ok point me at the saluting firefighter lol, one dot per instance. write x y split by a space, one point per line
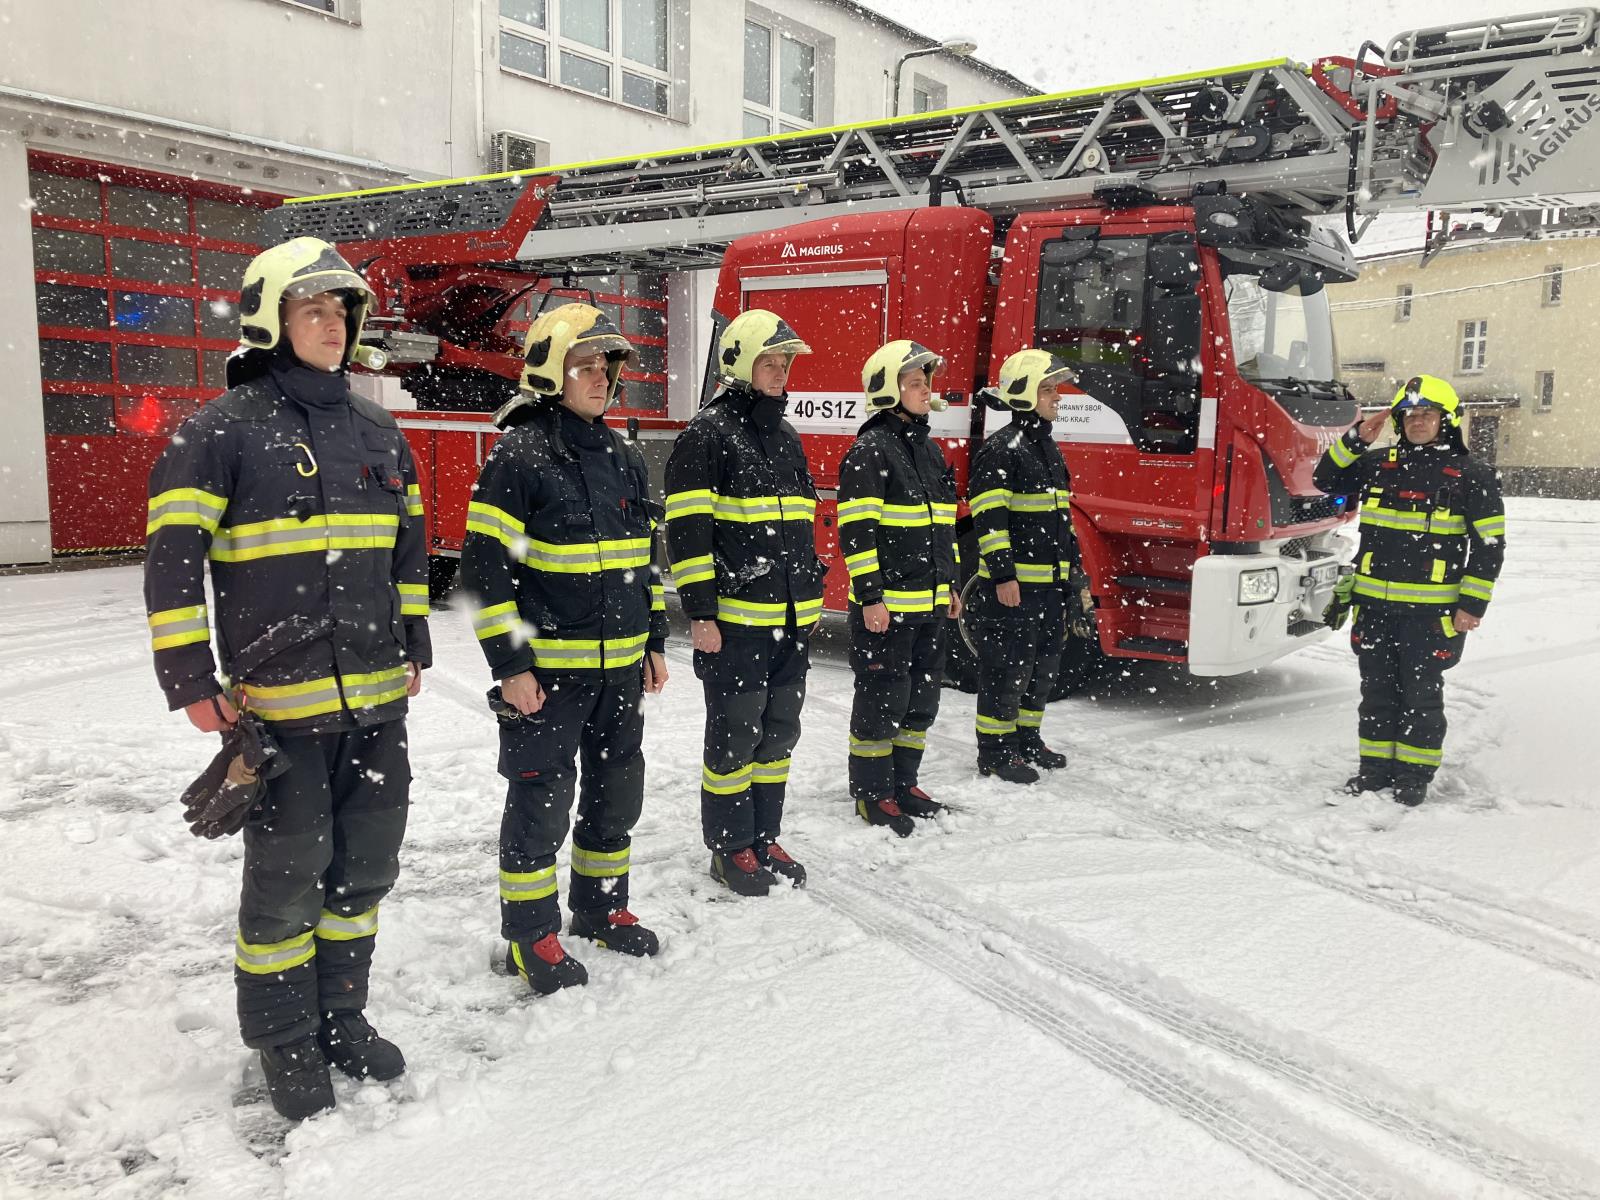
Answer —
1022 513
559 560
897 531
740 508
1433 539
303 498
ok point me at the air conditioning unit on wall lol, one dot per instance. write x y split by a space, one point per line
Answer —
512 151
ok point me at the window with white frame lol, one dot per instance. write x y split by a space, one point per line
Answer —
1544 391
1402 304
1552 286
1474 347
616 49
344 10
928 95
782 72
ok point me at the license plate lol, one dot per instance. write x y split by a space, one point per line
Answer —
1324 574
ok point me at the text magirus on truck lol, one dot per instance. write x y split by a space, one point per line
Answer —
1159 237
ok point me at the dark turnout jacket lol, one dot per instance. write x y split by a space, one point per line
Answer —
304 500
1433 524
560 550
1022 506
897 518
741 509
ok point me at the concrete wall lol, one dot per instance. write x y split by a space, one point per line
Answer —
1501 284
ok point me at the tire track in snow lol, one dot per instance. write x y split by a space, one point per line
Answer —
1334 1080
1272 1138
1487 921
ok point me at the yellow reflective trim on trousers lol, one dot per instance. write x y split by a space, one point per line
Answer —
185 506
1030 718
693 503
776 771
334 927
993 498
516 886
600 864
1407 593
179 627
1449 626
496 523
1341 454
868 748
911 739
315 535
994 725
1374 749
269 958
1491 527
694 570
863 508
578 654
730 784
495 620
1422 756
1476 588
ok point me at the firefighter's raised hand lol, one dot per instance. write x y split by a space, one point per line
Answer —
413 678
1371 429
1465 622
706 636
655 672
1009 593
523 693
875 617
212 715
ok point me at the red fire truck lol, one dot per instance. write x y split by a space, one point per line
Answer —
1171 239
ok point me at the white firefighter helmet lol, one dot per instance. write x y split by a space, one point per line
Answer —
1024 373
297 269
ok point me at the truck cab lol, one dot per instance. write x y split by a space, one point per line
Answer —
1206 391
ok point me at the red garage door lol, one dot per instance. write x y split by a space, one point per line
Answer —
136 279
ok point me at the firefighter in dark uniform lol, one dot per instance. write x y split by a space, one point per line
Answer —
560 564
304 499
1433 535
897 531
1022 512
740 513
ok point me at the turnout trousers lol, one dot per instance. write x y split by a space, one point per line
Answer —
755 688
590 725
1019 653
1403 655
898 673
319 854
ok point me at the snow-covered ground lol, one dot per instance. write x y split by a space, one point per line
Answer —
1170 970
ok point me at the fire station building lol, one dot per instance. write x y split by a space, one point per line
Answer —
138 150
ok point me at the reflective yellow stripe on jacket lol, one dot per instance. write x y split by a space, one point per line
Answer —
1407 593
744 509
314 535
316 697
413 599
185 506
179 627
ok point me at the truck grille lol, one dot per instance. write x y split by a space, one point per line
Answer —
1305 509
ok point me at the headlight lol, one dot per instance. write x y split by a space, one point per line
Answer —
1258 587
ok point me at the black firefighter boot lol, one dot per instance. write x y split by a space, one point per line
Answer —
1031 749
1410 790
1367 780
776 859
1003 762
885 812
350 1043
545 965
618 930
297 1079
741 872
917 802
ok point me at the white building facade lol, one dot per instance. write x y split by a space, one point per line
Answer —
139 143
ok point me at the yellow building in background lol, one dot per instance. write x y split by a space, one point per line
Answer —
1513 325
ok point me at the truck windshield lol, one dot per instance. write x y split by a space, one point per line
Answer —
1285 335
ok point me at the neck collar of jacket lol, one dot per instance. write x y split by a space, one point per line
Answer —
1032 423
581 432
307 386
